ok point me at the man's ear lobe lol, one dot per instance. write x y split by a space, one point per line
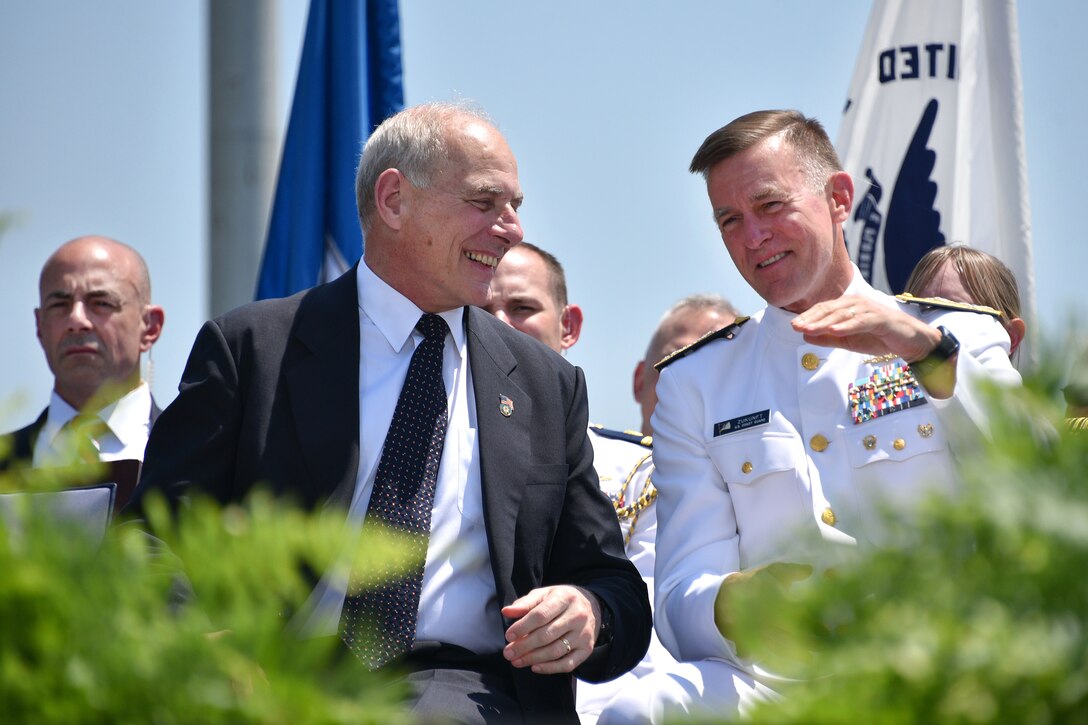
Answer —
572 325
842 196
154 319
389 197
638 379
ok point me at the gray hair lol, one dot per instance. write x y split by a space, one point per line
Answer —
413 141
694 305
702 301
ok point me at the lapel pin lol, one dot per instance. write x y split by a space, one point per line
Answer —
506 406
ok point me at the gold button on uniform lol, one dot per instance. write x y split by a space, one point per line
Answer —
818 443
747 467
899 444
809 361
869 442
828 516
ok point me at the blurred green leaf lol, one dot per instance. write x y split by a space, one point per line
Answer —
100 634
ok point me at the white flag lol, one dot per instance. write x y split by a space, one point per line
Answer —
933 135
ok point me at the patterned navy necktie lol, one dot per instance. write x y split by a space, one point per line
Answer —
379 624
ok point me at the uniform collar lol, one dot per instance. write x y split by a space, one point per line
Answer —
779 319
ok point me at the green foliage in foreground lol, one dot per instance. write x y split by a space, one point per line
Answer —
979 611
99 633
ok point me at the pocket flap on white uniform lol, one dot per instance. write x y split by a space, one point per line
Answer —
896 437
744 458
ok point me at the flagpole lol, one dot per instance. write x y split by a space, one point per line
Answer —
243 144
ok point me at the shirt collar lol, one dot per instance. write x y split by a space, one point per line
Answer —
123 417
395 315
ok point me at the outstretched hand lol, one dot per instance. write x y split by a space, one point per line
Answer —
864 325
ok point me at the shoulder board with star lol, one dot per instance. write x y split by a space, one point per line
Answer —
631 436
940 303
726 333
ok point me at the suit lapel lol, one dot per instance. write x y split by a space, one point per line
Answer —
323 387
504 440
24 440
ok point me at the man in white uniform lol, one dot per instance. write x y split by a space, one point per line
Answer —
778 438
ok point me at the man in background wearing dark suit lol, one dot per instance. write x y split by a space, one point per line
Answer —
298 394
94 322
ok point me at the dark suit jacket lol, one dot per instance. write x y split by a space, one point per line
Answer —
22 442
124 473
270 395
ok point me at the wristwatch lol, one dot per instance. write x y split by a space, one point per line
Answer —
946 349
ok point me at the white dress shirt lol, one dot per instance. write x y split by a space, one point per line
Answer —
459 604
127 420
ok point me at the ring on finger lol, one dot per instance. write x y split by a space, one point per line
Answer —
565 644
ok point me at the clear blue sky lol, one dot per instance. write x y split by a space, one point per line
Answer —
103 129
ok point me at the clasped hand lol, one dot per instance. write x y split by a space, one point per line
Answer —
555 630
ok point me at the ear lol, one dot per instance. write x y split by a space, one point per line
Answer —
154 318
572 325
841 188
389 198
639 380
38 322
1016 329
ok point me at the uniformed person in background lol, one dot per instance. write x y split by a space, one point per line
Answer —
779 438
958 273
529 292
683 323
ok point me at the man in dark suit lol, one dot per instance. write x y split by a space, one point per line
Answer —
94 323
298 394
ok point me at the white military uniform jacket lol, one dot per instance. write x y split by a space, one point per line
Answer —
770 449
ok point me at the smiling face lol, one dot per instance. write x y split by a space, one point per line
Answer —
448 236
783 233
94 320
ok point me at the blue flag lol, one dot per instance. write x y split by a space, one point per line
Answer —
349 81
